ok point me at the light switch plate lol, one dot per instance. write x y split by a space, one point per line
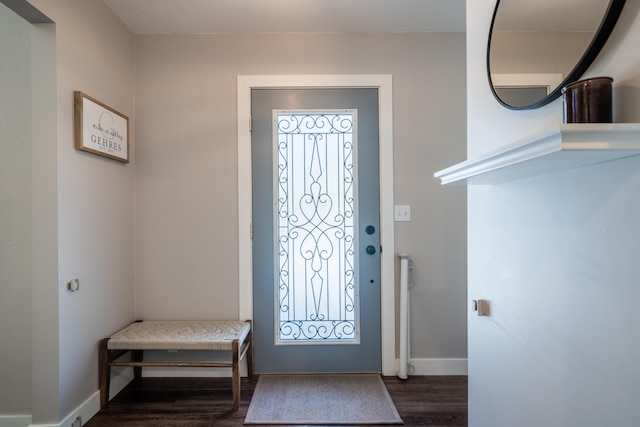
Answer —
402 213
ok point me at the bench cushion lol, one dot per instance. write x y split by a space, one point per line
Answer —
179 335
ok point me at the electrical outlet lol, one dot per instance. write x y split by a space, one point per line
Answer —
77 422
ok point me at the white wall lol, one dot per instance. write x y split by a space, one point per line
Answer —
15 214
186 170
556 256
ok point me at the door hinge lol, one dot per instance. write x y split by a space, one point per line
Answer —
251 230
250 123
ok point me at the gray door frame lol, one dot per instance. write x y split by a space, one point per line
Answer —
383 82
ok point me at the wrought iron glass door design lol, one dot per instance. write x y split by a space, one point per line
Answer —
316 240
315 187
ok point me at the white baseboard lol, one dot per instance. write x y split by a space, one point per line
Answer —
436 366
186 372
119 381
420 367
193 372
85 411
15 420
190 355
91 406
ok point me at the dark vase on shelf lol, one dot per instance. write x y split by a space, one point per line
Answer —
588 101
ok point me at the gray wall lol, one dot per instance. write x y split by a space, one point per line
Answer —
186 170
15 214
95 194
556 256
28 258
81 209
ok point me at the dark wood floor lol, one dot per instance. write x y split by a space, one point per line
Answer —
436 401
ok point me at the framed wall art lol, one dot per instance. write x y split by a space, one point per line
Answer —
99 129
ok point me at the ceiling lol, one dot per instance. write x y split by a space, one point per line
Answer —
287 16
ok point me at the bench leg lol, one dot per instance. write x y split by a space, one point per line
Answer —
249 355
104 373
235 374
137 356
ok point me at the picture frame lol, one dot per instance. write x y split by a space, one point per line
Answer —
100 129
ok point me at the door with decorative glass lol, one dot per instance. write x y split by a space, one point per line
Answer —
316 215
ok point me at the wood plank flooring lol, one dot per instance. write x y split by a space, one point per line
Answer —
438 401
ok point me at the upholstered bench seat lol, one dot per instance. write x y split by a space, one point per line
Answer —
225 335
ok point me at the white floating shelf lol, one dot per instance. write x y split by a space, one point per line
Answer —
567 147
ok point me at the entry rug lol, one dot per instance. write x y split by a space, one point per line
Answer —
321 400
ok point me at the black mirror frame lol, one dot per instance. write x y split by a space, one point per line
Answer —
602 34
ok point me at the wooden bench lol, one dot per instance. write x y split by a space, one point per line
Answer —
215 335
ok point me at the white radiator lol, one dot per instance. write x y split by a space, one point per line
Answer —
405 327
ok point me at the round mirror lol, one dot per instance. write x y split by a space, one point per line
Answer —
538 46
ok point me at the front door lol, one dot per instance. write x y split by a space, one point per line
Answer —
316 244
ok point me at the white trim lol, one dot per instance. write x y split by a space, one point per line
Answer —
384 84
119 381
192 372
15 420
91 406
569 146
438 366
85 411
